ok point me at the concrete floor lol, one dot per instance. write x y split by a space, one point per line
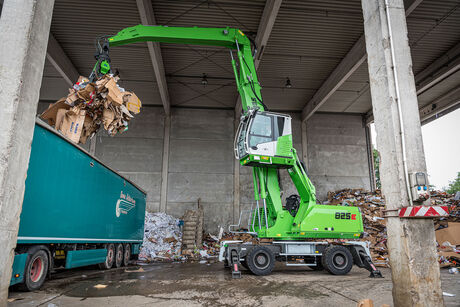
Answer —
210 285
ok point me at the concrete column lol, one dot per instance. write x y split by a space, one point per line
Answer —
165 167
411 242
236 178
24 27
304 143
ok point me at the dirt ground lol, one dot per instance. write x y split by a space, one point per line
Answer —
195 284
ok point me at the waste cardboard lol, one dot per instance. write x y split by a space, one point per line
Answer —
450 234
92 105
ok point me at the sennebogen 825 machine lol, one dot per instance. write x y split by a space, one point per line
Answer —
292 231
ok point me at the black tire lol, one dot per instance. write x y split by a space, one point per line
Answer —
119 255
337 260
109 259
126 254
36 269
260 260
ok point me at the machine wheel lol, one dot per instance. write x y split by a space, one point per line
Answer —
119 255
126 254
36 269
260 260
337 260
109 260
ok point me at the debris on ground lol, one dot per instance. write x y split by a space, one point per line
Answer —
162 238
372 205
92 105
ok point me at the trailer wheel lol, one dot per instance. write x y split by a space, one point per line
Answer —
337 260
36 269
119 255
260 260
126 254
109 259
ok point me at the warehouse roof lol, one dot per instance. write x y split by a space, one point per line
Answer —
309 43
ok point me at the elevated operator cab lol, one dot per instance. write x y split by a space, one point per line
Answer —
264 138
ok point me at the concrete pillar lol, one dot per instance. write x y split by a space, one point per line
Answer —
411 242
24 28
165 167
236 178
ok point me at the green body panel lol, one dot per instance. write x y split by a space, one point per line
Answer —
70 196
19 266
78 258
274 162
284 146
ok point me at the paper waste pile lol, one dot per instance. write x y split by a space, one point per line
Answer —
372 205
90 105
162 238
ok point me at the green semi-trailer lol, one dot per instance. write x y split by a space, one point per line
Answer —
76 212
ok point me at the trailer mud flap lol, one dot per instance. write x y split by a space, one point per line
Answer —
19 265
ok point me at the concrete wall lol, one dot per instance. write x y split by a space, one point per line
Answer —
337 153
201 160
201 164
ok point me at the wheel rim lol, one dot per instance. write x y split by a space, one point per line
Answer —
119 255
127 255
340 260
110 256
261 261
36 270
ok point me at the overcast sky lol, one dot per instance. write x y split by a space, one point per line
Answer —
441 141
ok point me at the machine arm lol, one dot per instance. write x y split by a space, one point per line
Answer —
245 73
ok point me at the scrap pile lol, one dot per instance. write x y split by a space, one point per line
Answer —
372 205
90 105
162 238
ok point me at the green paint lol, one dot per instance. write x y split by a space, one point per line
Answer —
71 197
78 258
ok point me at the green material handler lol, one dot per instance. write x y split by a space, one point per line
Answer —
264 142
